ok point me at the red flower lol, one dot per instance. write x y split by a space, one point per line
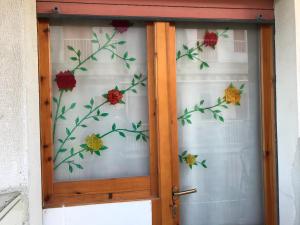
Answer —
210 39
114 96
65 80
121 25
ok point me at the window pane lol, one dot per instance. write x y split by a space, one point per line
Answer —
100 107
219 124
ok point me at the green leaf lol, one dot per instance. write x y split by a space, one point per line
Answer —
131 59
72 138
134 126
104 114
95 35
62 117
125 55
182 122
221 118
62 150
92 101
63 109
103 148
83 125
93 58
78 166
98 112
112 56
78 53
139 124
84 146
70 168
225 35
55 100
95 41
138 137
121 134
190 122
185 47
104 95
242 86
88 106
107 36
73 105
225 106
83 69
190 56
184 153
201 110
72 151
144 138
133 90
121 42
68 131
127 65
60 140
178 54
201 102
96 118
81 155
97 153
70 48
114 127
74 58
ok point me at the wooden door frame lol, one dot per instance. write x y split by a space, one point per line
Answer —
163 130
168 172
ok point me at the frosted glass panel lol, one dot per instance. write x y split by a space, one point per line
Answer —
219 129
100 107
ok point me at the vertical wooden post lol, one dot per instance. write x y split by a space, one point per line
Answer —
164 62
45 108
268 124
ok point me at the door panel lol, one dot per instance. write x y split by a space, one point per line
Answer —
218 112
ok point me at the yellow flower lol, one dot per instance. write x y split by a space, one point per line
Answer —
190 160
93 142
232 95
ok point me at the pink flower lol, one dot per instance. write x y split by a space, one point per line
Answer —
121 25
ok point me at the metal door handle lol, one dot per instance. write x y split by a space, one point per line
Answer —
186 192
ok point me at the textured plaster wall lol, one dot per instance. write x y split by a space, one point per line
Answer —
19 117
287 40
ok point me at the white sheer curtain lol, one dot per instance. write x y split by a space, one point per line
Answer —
230 188
125 156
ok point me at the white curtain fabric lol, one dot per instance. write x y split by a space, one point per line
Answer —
125 157
230 188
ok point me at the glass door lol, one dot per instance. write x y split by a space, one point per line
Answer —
218 107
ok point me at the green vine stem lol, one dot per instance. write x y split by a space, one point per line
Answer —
79 66
185 117
137 80
56 112
121 131
193 53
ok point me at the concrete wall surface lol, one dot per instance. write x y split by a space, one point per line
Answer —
19 105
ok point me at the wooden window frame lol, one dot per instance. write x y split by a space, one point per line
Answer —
164 166
69 193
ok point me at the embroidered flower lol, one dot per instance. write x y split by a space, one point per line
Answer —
190 160
210 39
121 25
232 95
65 80
93 142
114 96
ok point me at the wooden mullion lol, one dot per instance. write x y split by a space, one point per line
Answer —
152 110
267 78
45 83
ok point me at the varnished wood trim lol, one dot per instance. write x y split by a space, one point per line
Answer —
162 34
268 124
152 110
45 108
87 199
72 188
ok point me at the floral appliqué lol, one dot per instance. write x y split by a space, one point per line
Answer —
65 80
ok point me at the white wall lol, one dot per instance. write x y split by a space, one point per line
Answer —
287 71
19 117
